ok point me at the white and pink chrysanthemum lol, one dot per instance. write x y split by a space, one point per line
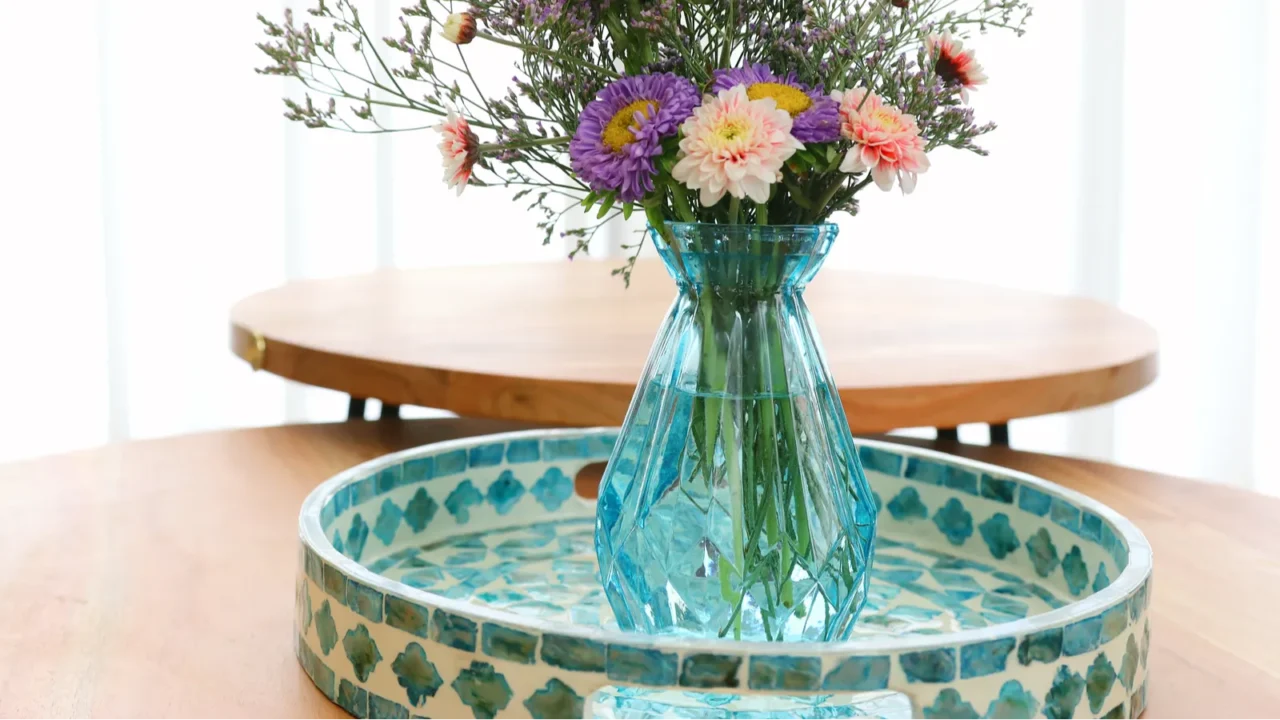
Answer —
954 64
459 148
886 141
734 145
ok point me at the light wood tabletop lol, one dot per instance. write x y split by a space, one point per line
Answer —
564 343
156 578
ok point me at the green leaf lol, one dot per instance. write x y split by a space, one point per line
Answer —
606 206
590 200
626 210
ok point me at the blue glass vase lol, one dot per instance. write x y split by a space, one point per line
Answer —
734 504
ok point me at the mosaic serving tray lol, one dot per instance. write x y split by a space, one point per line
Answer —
459 580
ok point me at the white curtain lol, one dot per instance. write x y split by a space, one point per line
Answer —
148 181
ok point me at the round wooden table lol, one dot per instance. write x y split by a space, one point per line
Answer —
564 343
155 578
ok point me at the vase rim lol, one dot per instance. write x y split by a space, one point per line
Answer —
823 225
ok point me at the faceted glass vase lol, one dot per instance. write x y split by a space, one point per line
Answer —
734 504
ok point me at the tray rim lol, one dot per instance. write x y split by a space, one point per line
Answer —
1129 581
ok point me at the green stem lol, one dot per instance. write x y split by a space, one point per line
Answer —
734 210
540 142
730 31
539 50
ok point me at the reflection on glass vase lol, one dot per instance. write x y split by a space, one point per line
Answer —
734 504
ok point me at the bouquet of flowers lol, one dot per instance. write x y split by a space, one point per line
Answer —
724 111
734 501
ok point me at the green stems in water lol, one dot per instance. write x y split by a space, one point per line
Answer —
744 415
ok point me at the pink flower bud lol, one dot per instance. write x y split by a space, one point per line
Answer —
459 28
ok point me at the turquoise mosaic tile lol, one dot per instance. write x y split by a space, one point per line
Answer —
641 665
1114 621
508 644
999 536
361 651
1100 579
364 600
1098 682
1082 636
962 480
1041 647
453 630
881 461
949 704
565 449
380 707
450 463
784 672
486 455
322 675
554 700
418 470
552 489
482 689
1044 556
1013 701
335 583
572 653
998 489
388 479
708 670
407 616
1091 526
859 674
388 522
906 504
461 499
1033 501
954 522
420 510
505 492
926 471
985 658
353 699
416 674
523 451
1065 514
931 666
357 536
1064 696
1075 571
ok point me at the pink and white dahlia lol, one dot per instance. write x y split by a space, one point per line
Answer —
886 141
459 148
459 28
734 145
954 64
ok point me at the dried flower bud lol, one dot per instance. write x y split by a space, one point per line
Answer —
459 28
900 3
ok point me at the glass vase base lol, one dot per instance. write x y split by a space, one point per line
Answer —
627 703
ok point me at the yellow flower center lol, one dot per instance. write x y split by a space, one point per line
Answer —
730 130
787 97
886 119
617 134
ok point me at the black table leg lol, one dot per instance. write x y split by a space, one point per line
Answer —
1000 434
949 435
355 408
389 412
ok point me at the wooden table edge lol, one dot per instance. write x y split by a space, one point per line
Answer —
568 402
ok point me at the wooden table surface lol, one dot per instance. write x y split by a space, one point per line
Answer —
156 578
564 343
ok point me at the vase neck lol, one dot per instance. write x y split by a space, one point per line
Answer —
750 261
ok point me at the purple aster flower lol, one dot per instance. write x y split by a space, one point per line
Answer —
815 117
620 132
